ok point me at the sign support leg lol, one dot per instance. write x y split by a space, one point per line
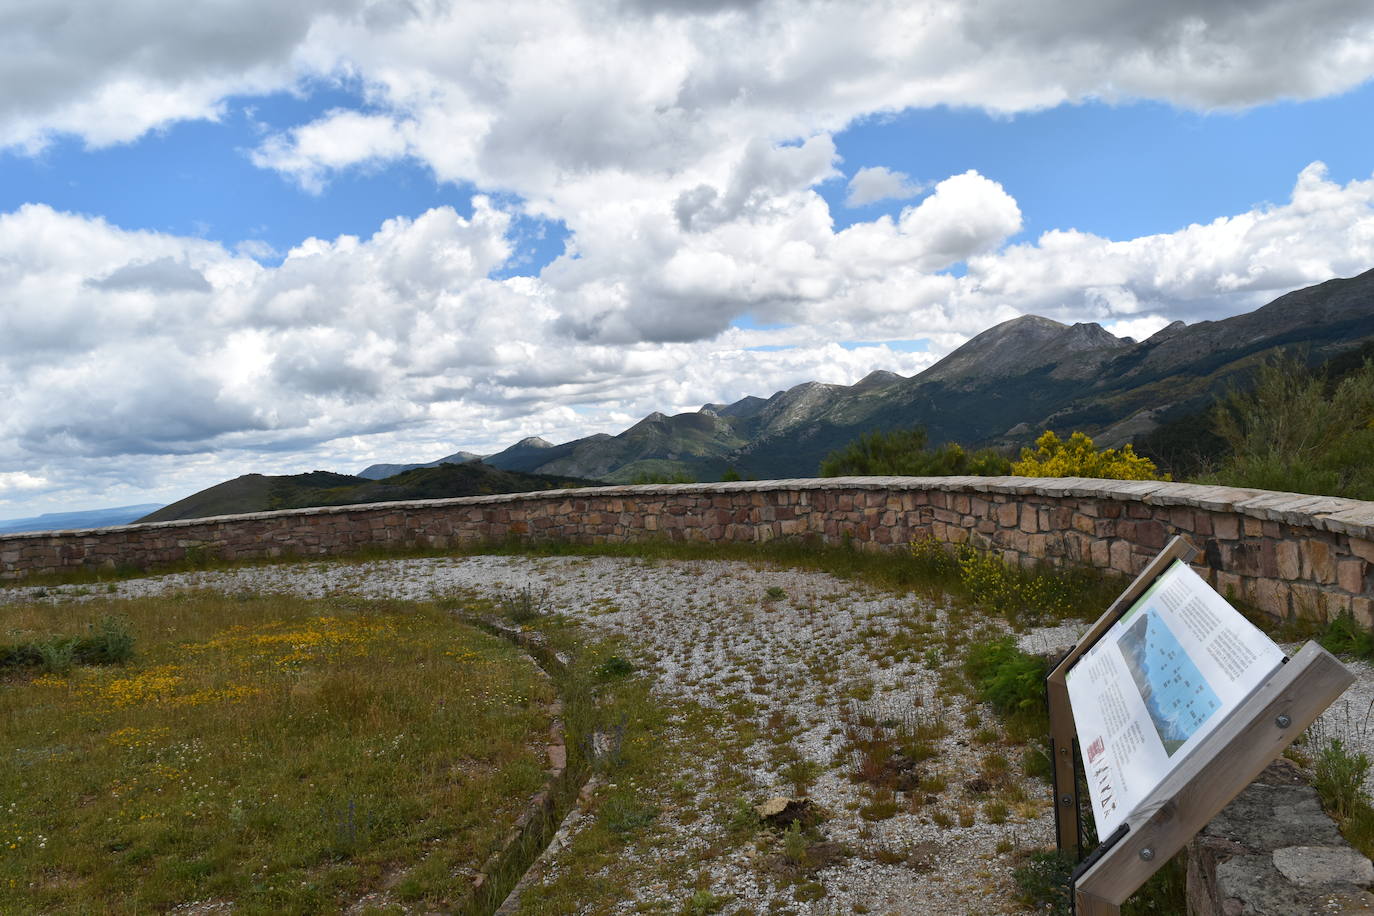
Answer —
1065 779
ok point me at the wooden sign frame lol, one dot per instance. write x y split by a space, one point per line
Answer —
1218 770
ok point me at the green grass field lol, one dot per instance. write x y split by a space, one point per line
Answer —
285 755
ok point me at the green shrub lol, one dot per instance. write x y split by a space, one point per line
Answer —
1012 682
906 453
614 667
55 656
1344 636
1300 431
1043 886
110 643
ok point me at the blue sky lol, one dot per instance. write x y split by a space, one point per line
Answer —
554 221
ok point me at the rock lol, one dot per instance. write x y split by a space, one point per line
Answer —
781 811
1307 866
1273 851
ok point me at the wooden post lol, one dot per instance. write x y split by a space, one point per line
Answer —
1220 768
1062 730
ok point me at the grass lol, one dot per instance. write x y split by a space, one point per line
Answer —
284 754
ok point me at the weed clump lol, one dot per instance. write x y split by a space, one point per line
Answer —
1344 636
108 642
525 605
1340 779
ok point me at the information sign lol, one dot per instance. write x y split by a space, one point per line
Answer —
1164 676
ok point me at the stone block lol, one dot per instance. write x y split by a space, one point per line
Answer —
1350 575
1318 561
1100 554
1226 527
1309 602
1287 560
1007 514
1121 556
1362 609
1253 527
1268 558
1271 596
1362 548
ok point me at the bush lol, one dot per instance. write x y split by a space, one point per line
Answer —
1300 431
1054 457
1011 682
906 453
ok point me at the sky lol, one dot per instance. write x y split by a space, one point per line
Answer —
275 237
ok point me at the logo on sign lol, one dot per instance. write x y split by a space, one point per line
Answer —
1095 750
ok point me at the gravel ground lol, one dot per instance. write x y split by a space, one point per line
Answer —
710 628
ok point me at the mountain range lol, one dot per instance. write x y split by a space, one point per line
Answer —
66 521
1000 389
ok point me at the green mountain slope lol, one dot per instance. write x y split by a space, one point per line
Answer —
260 493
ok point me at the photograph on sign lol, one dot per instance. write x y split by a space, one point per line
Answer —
1165 675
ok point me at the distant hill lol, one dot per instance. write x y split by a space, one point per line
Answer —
67 521
383 471
260 493
999 389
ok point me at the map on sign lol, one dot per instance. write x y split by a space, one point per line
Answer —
1176 695
1159 681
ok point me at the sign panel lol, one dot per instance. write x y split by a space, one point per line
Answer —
1160 680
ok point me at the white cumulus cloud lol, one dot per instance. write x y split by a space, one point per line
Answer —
874 183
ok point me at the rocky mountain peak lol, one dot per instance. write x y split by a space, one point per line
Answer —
877 378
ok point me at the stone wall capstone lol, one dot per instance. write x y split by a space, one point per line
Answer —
1286 553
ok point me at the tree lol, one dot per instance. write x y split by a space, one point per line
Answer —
1053 457
905 453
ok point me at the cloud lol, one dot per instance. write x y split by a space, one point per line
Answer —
530 96
13 482
400 344
341 138
109 74
163 275
872 184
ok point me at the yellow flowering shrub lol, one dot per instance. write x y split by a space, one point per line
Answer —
1053 457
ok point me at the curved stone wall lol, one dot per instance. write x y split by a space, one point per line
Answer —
1283 552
